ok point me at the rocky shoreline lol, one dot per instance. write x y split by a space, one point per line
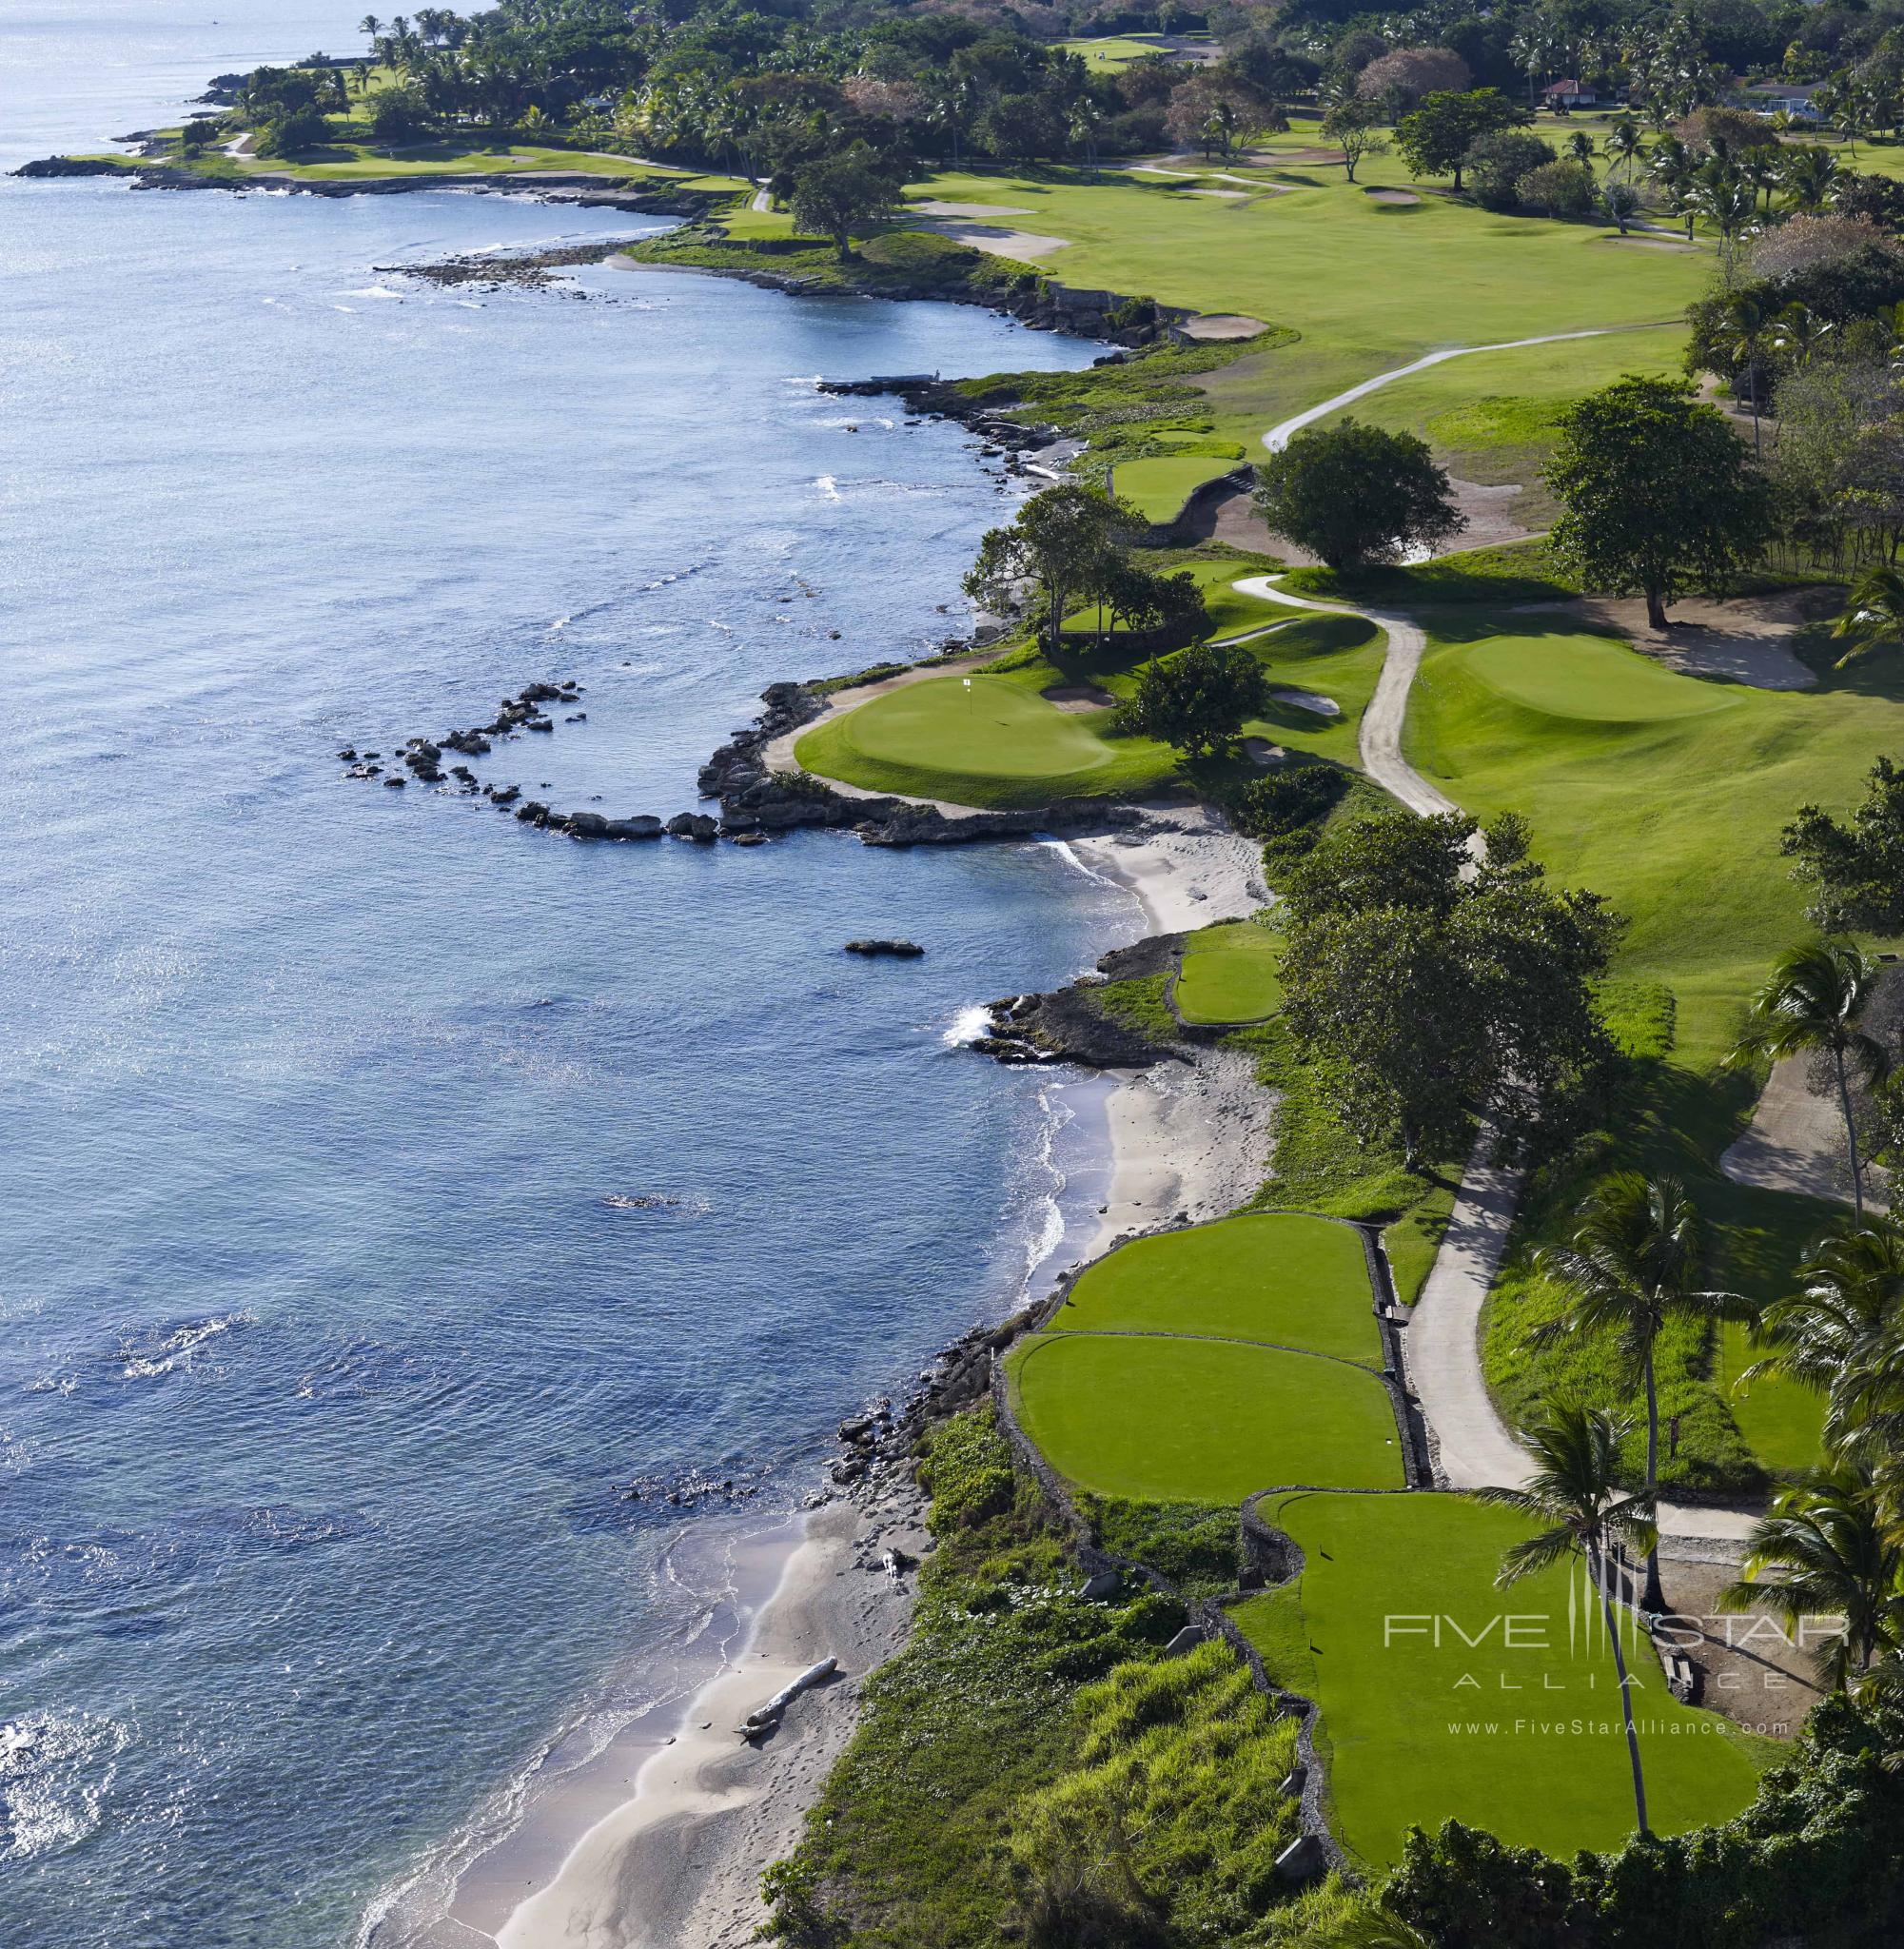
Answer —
580 189
755 803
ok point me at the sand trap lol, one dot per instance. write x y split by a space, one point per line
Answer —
1394 196
1259 751
1022 246
1227 195
1078 697
1310 701
1652 242
936 209
1747 639
1222 324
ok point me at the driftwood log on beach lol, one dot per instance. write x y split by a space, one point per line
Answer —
770 1715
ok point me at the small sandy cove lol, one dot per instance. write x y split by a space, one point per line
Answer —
1188 1141
678 1865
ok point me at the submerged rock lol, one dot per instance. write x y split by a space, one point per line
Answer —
898 950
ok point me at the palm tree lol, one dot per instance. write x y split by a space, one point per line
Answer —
1808 175
1835 1544
1625 143
1798 330
1631 1267
1874 612
370 27
1849 1302
1579 146
1749 313
1729 203
1809 1005
1575 1492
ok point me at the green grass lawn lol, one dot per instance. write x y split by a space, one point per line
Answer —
1002 743
1524 1742
1112 51
1232 972
1366 286
1159 485
1199 1421
1276 1276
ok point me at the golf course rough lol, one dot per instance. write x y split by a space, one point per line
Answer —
1443 1698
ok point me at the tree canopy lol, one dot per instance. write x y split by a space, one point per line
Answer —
1431 991
837 193
1657 494
1352 494
1435 138
1198 699
1855 868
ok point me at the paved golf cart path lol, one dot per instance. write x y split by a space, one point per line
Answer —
1474 1447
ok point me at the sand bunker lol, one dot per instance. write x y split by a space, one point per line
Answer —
1078 697
936 209
1398 197
1215 325
1022 247
1310 701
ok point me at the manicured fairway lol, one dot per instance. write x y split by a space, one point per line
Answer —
1527 1741
1232 972
1201 1421
1591 677
1279 1276
1675 819
1159 486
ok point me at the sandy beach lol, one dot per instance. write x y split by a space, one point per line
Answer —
1188 1141
677 1863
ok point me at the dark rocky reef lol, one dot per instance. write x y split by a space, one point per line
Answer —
1071 1025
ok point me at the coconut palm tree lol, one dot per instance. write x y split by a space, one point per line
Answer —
1809 1005
1580 147
1749 313
1808 175
1832 1539
1625 144
1799 332
1874 612
1630 1267
1575 1492
1850 1301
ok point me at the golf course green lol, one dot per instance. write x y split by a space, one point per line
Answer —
1164 1420
1232 972
1159 485
1596 677
1005 742
1433 1709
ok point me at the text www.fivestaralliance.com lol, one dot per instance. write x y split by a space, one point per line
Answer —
1611 1728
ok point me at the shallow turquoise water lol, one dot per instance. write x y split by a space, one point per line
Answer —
329 1326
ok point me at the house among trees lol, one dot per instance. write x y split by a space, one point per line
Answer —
1569 95
1794 97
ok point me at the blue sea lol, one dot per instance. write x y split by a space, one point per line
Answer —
386 1184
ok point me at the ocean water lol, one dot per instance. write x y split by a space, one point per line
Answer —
387 1185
